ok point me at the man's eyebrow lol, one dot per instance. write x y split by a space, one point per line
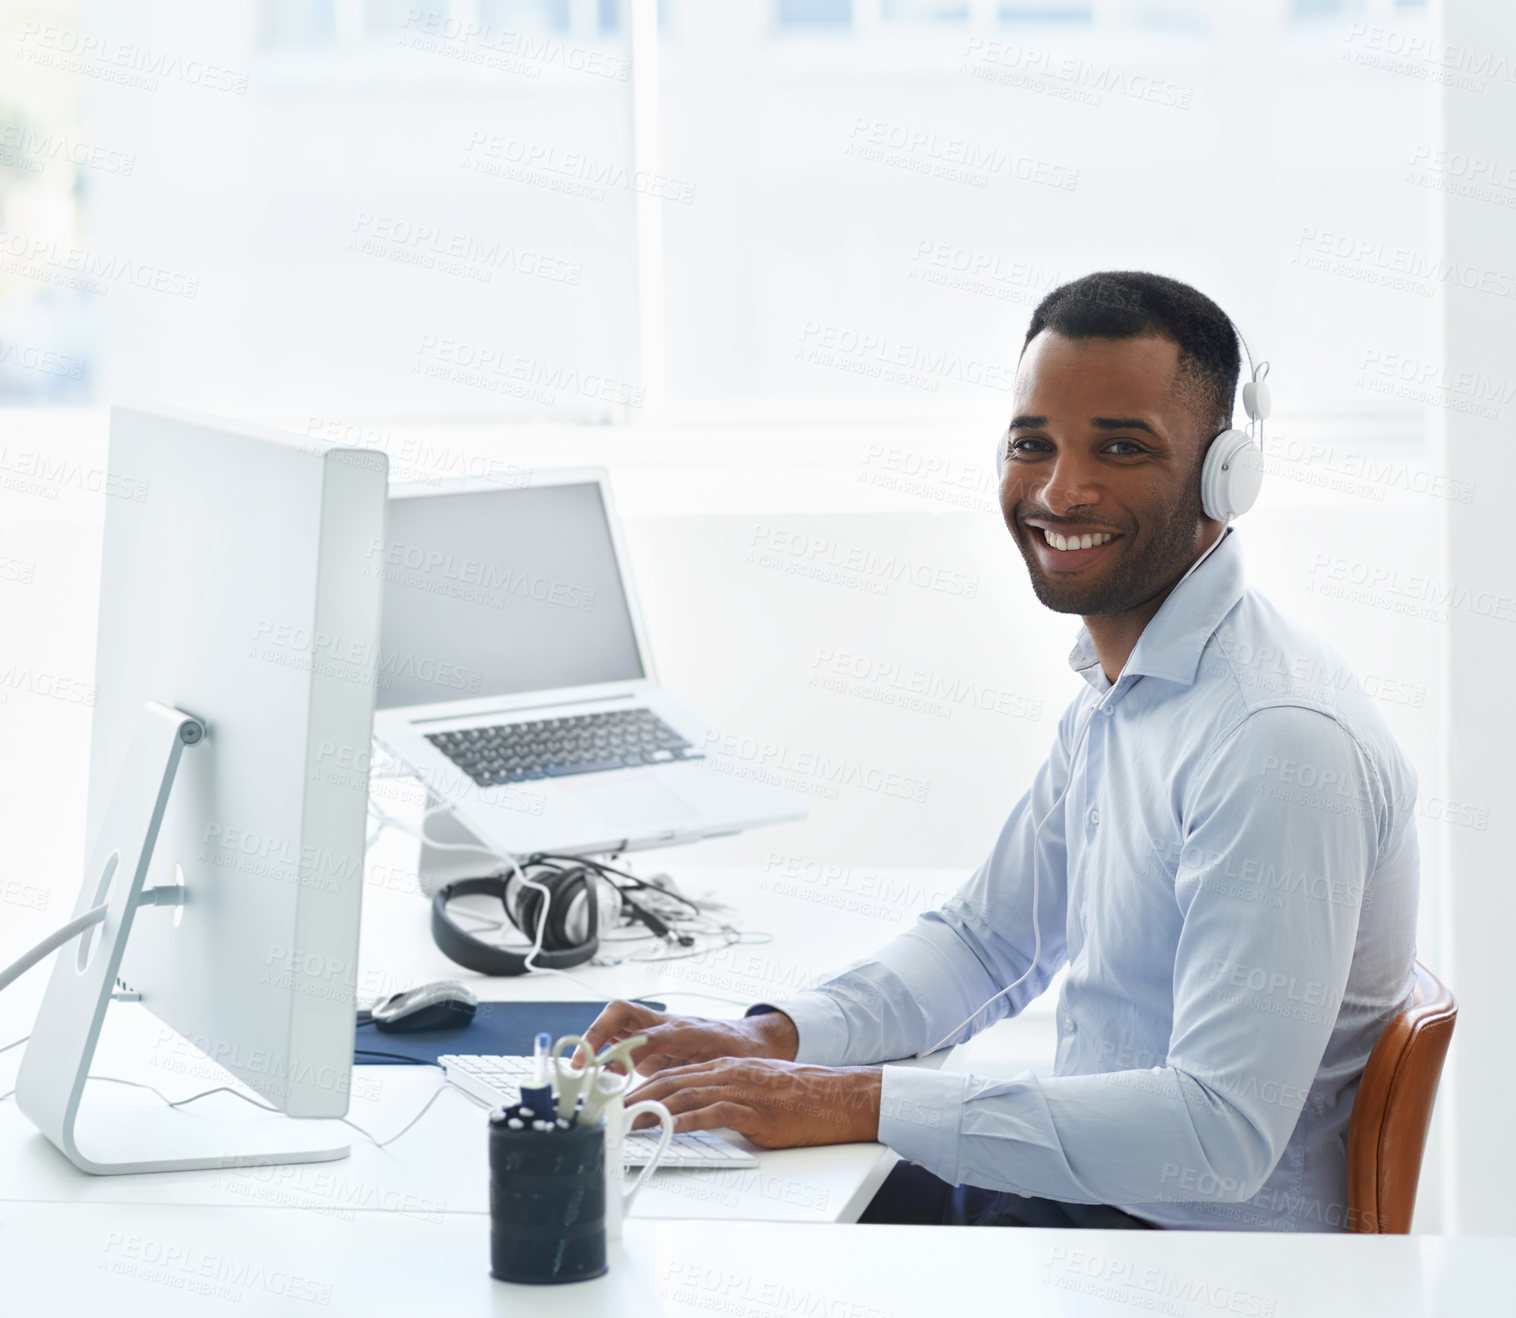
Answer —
1123 423
1028 422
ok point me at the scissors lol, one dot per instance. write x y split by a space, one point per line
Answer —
594 1082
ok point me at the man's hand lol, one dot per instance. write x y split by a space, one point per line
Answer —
680 1040
776 1104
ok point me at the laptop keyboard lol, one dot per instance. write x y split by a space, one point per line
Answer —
558 747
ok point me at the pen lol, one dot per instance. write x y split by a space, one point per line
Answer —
539 1094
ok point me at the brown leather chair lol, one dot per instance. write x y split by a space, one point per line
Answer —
1387 1132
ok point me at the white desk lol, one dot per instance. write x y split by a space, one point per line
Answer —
404 1230
160 1260
439 1166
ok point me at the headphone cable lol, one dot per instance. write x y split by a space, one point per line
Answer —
1073 756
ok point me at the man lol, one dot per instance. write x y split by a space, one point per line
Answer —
1220 847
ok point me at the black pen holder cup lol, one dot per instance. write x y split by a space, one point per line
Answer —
547 1201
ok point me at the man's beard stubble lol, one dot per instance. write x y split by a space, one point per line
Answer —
1142 573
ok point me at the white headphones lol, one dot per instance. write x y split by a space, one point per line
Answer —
1232 473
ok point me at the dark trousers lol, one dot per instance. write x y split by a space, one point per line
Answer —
912 1195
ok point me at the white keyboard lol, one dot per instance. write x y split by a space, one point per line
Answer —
497 1081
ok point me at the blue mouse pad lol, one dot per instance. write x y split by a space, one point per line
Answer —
499 1029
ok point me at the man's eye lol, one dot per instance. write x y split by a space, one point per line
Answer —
1125 448
1029 446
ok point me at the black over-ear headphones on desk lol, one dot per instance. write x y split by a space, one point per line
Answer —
581 901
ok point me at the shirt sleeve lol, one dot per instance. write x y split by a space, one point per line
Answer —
918 992
1256 990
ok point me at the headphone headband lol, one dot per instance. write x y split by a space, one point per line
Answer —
488 959
1232 473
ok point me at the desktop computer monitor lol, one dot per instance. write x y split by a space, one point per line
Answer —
238 646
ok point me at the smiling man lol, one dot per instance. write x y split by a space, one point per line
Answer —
1220 848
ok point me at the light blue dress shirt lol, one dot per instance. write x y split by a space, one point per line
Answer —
1231 879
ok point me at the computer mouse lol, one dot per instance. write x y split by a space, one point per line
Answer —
438 1006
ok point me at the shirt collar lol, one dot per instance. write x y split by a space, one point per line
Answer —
1171 644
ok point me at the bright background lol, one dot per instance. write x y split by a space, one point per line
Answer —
770 261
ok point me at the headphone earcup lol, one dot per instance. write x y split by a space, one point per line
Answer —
568 913
594 892
1230 476
523 906
1001 454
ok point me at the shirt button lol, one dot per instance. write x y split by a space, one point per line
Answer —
1094 816
1107 710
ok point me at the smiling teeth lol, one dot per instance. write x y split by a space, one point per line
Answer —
1075 541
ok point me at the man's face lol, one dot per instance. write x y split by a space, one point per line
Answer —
1102 448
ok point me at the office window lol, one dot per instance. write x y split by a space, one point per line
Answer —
1031 11
298 22
925 11
543 15
395 224
383 16
388 209
1324 8
1172 15
889 174
813 13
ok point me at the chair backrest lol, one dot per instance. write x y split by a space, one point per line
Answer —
1387 1132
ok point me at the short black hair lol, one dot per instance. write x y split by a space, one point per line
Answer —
1128 304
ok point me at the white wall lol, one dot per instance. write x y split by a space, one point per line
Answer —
1479 335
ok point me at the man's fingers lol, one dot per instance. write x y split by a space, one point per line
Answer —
619 1020
683 1100
704 1109
676 1043
675 1078
727 1115
693 1097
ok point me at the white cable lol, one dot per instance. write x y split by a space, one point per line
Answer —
268 1107
547 898
162 895
714 997
7 1049
387 820
445 807
1036 924
52 943
379 1144
1073 756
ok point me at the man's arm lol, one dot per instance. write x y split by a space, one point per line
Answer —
1242 1058
919 989
921 985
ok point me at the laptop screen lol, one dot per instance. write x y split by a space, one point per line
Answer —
498 592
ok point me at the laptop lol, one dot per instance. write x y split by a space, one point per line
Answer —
515 679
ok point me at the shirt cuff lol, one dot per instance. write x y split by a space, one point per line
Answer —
920 1112
820 1023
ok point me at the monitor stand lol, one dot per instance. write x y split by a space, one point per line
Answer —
53 1072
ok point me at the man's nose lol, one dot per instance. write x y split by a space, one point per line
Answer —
1070 484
